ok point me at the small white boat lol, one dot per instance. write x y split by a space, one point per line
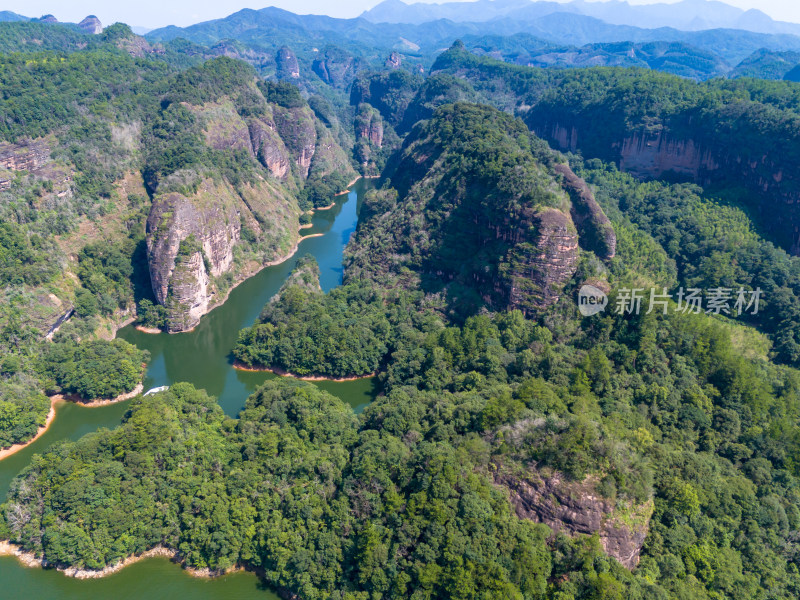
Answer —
155 390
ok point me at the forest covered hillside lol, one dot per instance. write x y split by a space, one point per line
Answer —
516 446
659 446
131 187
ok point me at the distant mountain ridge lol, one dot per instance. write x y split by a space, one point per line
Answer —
273 27
687 15
7 16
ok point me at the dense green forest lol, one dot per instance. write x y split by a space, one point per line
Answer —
400 500
516 449
684 409
93 127
606 112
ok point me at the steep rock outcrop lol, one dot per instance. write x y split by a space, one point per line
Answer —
286 64
575 507
394 61
336 67
492 234
594 227
25 156
541 263
91 24
653 155
329 157
369 126
191 236
188 292
297 129
180 270
268 146
775 185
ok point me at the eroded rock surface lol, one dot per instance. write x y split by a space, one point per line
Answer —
576 508
180 269
596 231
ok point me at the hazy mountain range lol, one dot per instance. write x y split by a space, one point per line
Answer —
688 15
271 25
704 39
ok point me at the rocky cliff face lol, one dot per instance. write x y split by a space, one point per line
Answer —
291 145
653 155
26 156
268 146
336 67
370 131
91 24
542 263
508 237
180 270
594 227
188 293
774 186
394 61
369 126
297 128
286 64
576 508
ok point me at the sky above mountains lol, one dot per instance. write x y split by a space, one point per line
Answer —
159 13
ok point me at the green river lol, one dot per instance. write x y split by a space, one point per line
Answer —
203 358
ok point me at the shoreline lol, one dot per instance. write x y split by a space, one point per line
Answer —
347 189
99 401
248 274
11 450
29 559
63 399
240 366
150 330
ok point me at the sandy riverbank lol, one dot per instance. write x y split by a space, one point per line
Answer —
30 560
100 401
49 421
346 190
143 329
62 399
240 366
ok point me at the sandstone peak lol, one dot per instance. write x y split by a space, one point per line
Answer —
286 63
91 24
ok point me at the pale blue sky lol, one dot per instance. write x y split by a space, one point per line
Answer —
157 13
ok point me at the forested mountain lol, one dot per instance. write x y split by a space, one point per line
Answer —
741 133
516 448
272 27
472 177
668 436
125 180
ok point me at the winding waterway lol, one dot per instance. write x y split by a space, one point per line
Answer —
203 358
